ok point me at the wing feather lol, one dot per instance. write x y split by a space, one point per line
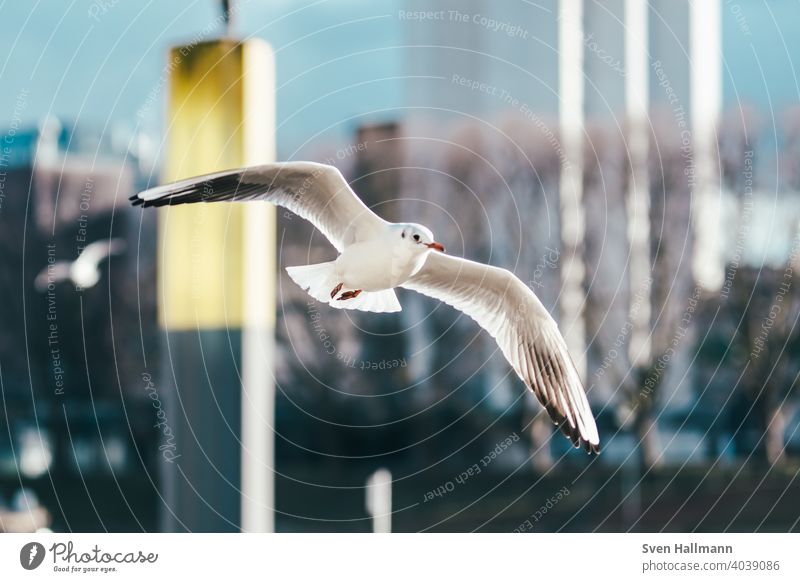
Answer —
316 192
526 334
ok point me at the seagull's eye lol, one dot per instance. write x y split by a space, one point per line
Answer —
416 237
403 235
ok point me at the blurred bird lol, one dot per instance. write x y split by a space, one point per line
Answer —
84 272
376 256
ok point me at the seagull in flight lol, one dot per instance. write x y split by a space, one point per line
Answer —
84 272
375 256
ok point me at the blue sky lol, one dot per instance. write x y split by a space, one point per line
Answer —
100 70
338 61
761 45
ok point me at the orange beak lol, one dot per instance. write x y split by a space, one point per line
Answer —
435 246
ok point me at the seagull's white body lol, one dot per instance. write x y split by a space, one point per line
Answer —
377 256
374 267
378 264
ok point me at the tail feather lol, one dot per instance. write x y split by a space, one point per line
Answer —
320 279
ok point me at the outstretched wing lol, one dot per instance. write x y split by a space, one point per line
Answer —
96 252
527 335
53 273
316 192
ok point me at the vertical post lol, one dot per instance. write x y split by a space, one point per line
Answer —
379 500
217 294
705 41
571 114
258 380
637 104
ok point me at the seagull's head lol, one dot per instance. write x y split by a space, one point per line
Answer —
416 236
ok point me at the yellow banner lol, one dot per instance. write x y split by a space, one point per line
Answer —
217 260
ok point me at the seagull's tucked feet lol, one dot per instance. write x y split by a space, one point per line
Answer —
318 280
349 294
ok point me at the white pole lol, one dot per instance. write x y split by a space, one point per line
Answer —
379 500
637 104
706 98
258 329
571 119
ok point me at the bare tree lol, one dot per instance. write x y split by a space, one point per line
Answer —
607 258
765 304
672 290
528 158
760 301
790 155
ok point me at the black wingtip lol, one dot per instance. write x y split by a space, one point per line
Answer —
591 448
575 438
572 435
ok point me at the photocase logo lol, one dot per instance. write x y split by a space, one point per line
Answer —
31 555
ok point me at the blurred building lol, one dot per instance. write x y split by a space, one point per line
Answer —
71 359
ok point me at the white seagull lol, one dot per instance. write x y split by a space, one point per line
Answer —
375 256
84 272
